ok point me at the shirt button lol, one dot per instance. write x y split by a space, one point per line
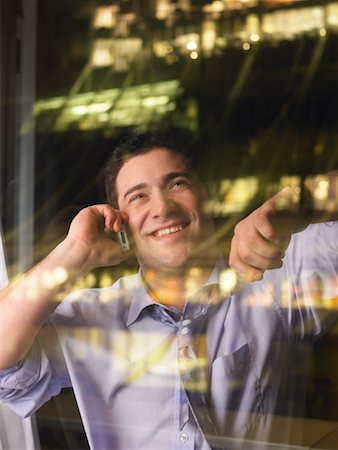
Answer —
186 322
184 437
185 330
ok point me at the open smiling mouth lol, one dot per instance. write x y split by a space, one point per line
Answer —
170 230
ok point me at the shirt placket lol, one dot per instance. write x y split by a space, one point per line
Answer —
193 368
185 438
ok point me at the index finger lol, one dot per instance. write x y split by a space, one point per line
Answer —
114 219
280 216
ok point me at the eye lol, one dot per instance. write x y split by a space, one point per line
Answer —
136 197
177 184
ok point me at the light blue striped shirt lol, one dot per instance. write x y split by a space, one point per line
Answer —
119 351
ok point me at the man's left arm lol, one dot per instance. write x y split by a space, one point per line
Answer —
261 239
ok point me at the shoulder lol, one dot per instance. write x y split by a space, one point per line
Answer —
77 307
319 231
310 264
303 289
318 242
309 272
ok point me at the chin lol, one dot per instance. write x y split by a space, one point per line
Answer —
171 261
169 265
177 263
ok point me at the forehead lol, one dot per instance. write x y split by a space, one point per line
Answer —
150 166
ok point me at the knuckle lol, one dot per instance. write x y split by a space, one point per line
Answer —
257 275
270 253
265 228
233 261
246 254
278 264
251 240
238 227
251 275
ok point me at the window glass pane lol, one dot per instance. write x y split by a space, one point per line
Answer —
219 328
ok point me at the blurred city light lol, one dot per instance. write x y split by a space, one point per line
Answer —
121 107
228 281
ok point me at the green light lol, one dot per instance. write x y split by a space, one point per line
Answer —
135 105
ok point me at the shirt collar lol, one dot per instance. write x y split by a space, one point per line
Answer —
141 298
214 276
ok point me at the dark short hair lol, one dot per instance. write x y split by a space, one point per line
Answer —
141 141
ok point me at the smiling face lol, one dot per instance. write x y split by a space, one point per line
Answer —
163 200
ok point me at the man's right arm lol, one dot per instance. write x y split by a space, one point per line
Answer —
26 304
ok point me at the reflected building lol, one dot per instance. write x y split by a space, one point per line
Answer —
255 79
128 43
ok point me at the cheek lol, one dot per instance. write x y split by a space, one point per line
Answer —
132 225
194 207
135 222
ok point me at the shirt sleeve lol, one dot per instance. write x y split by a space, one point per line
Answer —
306 288
33 381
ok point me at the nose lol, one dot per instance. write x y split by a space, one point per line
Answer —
162 204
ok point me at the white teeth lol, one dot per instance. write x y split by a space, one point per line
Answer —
166 231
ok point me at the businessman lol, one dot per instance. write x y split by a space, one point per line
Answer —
166 358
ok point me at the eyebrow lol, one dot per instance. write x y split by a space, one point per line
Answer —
137 187
170 176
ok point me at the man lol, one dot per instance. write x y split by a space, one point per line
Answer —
164 358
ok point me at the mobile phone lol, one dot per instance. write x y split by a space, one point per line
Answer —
123 239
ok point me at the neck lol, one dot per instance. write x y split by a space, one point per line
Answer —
171 288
